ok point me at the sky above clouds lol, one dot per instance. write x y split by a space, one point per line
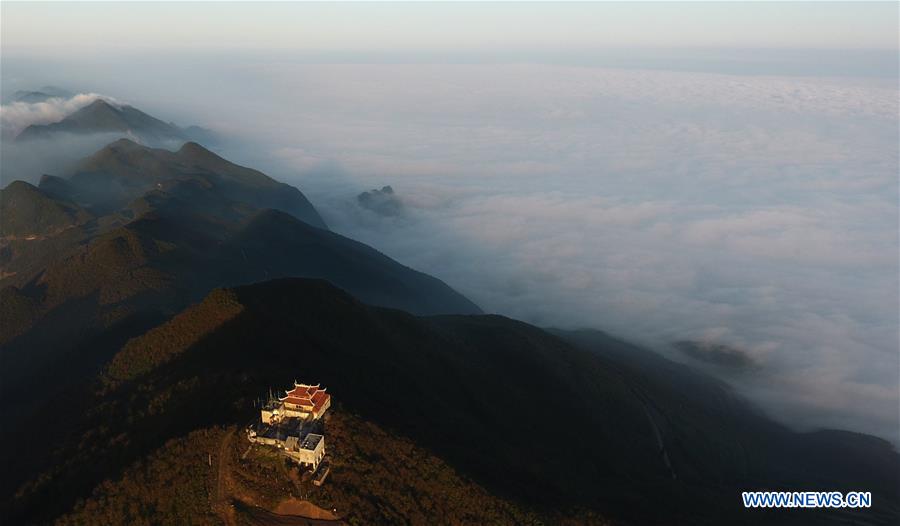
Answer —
716 172
435 26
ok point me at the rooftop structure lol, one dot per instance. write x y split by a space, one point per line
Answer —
292 424
308 452
303 401
311 441
309 399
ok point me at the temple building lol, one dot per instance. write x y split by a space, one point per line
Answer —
303 401
292 423
306 400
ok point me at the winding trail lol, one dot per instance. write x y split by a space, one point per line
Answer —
260 516
222 504
299 513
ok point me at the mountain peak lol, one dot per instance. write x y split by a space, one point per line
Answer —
194 150
100 103
19 187
125 142
99 106
120 156
141 168
123 145
105 116
27 210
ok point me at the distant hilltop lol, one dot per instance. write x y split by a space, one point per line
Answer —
105 116
102 116
40 95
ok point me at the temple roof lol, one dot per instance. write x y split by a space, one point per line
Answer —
306 396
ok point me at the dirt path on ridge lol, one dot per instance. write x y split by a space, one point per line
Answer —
222 504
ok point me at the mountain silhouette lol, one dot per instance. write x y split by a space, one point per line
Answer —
103 116
549 420
135 234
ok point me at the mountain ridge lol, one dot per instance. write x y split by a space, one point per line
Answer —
26 210
483 393
164 229
102 116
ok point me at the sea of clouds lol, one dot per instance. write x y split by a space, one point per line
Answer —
758 213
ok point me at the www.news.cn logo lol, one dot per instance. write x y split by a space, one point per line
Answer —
807 499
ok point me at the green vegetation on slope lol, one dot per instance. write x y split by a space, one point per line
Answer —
172 485
168 228
161 344
124 170
529 417
376 477
379 477
26 211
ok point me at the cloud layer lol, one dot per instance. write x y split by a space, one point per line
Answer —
16 116
757 213
28 160
748 212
